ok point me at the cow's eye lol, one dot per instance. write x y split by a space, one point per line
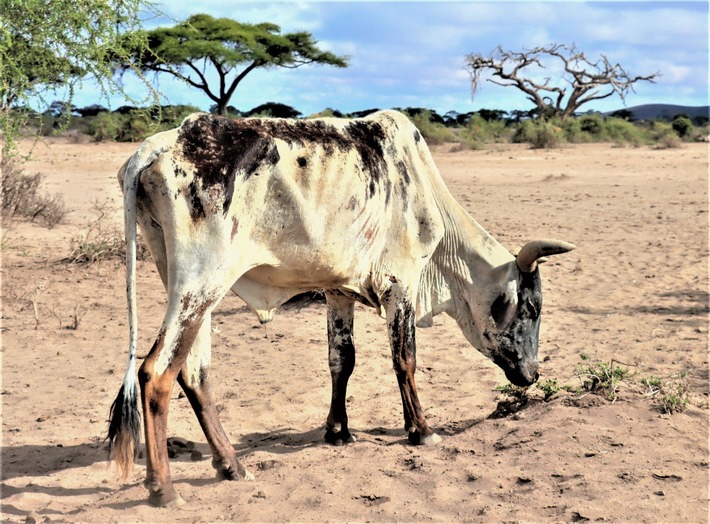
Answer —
533 310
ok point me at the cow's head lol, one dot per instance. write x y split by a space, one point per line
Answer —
506 308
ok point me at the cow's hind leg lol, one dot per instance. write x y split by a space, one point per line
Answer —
156 386
401 319
194 378
341 359
183 321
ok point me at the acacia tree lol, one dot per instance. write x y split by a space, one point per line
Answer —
231 49
60 44
581 80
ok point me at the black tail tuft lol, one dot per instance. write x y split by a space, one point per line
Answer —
124 430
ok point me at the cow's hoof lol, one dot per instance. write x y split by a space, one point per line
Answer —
430 440
230 470
416 438
338 438
232 473
160 500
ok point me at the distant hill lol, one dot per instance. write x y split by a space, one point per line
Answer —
666 111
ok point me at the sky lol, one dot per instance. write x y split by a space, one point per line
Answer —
412 54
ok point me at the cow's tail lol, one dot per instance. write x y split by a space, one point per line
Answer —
124 431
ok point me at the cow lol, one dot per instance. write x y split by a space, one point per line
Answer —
272 208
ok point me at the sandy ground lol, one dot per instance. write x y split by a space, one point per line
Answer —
635 292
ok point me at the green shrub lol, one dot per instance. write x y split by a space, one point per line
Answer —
326 113
22 196
539 134
669 141
480 130
524 132
602 377
101 240
107 126
467 144
658 129
623 132
172 116
682 125
593 124
548 136
573 133
138 124
432 132
138 127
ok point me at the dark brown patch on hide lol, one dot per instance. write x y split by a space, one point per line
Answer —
367 138
235 227
219 148
197 211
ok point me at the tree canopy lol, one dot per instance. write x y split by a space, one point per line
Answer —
580 82
56 44
193 49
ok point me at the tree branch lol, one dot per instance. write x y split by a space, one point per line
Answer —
584 77
177 74
241 76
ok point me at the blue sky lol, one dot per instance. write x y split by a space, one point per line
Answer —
412 53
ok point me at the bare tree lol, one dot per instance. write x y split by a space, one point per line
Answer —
581 80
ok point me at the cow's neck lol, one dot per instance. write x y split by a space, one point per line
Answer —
463 262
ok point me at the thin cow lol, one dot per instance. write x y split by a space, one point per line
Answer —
271 208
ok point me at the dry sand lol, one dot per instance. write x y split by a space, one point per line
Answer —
634 292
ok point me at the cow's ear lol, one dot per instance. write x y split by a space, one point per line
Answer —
503 309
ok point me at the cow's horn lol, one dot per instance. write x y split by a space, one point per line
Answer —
530 253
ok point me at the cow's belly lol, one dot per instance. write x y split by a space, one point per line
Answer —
265 288
297 277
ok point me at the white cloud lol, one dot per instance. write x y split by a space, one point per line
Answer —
290 16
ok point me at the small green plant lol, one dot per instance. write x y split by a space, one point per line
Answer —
674 395
95 244
676 401
515 392
549 388
652 383
584 356
602 377
514 399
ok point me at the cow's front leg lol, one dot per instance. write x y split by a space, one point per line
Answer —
401 325
194 378
341 359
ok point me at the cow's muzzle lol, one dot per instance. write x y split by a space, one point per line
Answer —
523 376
